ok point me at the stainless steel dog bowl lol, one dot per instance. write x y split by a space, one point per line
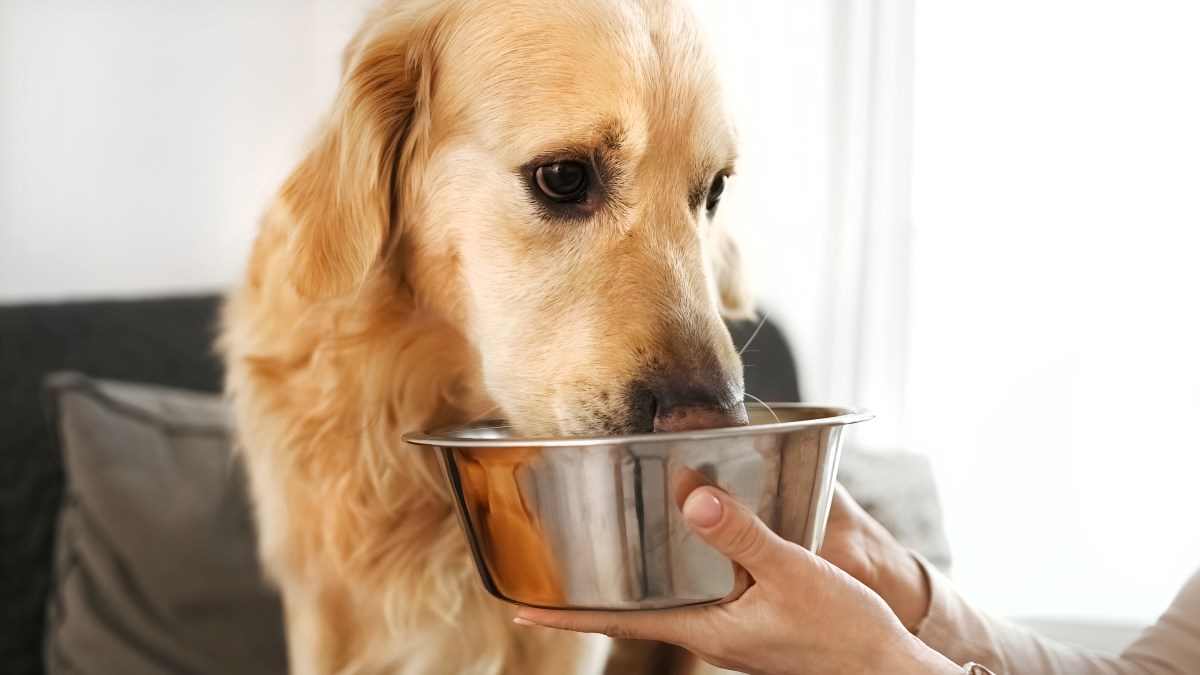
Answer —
595 523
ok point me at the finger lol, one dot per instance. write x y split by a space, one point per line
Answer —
684 481
844 505
841 498
737 533
678 626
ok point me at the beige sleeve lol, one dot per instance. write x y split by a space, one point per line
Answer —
964 633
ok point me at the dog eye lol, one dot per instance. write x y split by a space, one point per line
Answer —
562 181
715 190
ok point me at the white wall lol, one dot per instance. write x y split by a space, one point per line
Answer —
140 140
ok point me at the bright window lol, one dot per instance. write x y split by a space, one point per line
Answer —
1055 329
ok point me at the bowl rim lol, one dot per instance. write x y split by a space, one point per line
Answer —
444 438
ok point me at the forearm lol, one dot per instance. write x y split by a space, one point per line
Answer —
927 604
962 632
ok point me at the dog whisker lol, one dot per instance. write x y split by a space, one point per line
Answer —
753 335
482 415
760 402
502 426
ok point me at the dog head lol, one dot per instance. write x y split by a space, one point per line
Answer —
545 177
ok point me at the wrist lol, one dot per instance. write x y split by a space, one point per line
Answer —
904 586
913 657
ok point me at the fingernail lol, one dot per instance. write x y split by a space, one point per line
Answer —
702 509
523 622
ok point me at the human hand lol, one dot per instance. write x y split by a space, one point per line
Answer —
859 545
802 615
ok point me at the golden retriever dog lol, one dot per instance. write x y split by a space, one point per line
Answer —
510 211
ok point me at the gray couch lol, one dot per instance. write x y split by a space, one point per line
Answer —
125 538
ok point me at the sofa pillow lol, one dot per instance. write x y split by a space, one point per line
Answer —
898 490
155 563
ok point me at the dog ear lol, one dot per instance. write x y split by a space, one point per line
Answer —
733 291
341 200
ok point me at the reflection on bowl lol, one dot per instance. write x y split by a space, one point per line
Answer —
595 523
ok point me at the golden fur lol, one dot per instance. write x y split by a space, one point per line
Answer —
403 280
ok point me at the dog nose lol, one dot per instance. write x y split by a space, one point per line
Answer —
676 406
699 416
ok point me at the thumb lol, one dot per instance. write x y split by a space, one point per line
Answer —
736 532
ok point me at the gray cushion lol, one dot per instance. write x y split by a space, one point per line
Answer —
897 489
155 561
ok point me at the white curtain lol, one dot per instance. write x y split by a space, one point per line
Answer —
979 219
822 93
858 340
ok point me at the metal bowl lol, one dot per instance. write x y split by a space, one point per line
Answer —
595 523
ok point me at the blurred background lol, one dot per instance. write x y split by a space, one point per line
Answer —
979 219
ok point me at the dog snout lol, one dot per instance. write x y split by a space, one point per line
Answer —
689 417
666 405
